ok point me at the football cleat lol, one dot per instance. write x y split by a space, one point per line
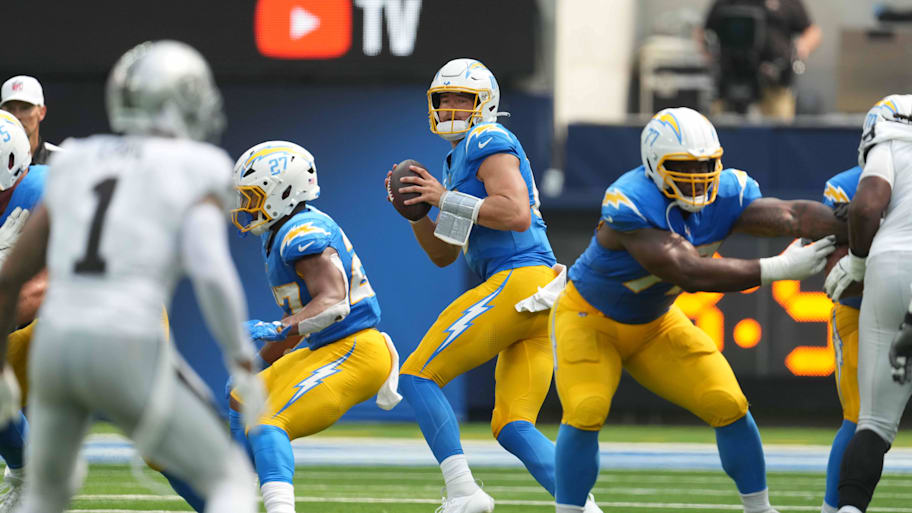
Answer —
591 506
478 502
12 496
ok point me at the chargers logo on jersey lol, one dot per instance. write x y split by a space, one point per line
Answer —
480 129
615 198
316 377
299 231
465 321
835 194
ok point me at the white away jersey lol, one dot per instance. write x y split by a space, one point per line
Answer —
117 207
892 161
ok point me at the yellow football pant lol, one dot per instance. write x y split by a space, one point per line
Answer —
669 356
17 351
308 390
844 328
482 323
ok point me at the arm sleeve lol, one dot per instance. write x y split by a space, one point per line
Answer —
207 260
880 163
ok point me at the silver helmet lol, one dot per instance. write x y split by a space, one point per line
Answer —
164 88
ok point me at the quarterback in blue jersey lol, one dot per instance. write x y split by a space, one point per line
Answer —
21 188
843 326
488 211
329 308
657 224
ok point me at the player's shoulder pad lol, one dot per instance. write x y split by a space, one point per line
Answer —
211 170
628 203
735 184
490 138
307 233
841 187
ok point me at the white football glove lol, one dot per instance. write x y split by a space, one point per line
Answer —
798 261
251 392
10 231
848 269
10 398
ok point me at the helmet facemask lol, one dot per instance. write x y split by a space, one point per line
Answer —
251 216
455 129
692 182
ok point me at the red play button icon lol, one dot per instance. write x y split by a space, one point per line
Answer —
303 29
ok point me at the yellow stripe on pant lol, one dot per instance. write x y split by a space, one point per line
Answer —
844 328
669 356
483 323
308 390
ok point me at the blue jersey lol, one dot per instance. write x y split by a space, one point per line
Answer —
309 233
491 251
841 189
28 192
613 281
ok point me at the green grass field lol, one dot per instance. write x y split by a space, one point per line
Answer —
112 488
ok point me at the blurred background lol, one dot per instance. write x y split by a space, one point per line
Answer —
786 83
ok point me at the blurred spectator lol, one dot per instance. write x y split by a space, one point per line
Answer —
758 47
23 97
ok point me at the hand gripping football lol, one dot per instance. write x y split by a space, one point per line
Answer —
410 212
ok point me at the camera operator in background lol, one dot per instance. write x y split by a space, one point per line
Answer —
758 46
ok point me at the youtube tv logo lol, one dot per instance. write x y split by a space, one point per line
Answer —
303 29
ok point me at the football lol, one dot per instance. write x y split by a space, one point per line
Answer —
410 212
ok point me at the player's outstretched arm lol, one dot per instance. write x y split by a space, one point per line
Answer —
773 217
673 259
207 260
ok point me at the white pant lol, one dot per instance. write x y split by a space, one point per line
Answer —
886 299
73 375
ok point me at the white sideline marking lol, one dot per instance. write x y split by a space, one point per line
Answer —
402 500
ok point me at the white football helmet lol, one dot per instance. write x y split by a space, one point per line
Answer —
15 150
272 178
463 76
676 135
886 120
164 88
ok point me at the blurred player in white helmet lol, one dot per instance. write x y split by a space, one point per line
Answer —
880 253
150 208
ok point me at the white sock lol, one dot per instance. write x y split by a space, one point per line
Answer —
457 476
568 508
849 509
15 475
826 508
757 502
278 497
